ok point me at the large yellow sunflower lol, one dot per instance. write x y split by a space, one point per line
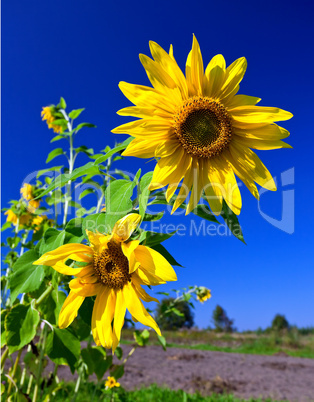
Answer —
200 130
116 268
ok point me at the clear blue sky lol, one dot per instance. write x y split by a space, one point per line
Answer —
81 50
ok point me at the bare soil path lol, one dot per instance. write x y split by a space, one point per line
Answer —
278 377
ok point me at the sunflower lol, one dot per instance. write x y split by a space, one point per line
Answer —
201 131
203 294
111 382
47 114
23 219
27 192
116 268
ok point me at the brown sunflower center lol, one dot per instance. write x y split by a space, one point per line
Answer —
112 266
203 127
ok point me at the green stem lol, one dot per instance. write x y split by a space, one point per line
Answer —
24 370
29 386
77 386
14 370
71 166
4 356
44 295
130 354
40 364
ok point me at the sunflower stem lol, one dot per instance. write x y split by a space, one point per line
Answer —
44 295
40 363
4 356
16 363
71 165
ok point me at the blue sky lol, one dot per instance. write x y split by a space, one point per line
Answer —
81 50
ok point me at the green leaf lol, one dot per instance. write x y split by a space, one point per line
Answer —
177 312
74 228
141 338
75 113
26 277
20 326
85 150
97 361
62 103
90 223
52 169
204 212
144 192
113 151
84 125
63 179
4 313
57 138
53 154
117 371
232 221
59 122
165 253
119 352
86 192
153 238
118 201
50 309
153 217
63 347
162 341
51 240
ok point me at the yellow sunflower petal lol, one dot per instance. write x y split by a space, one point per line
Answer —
197 188
98 241
212 188
164 168
242 174
266 132
214 76
234 75
185 186
154 263
262 144
119 315
194 69
85 289
136 308
77 252
170 66
156 74
141 292
252 164
102 316
258 114
125 226
241 100
141 148
128 251
70 309
231 192
177 176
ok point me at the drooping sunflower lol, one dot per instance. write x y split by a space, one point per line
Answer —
201 131
111 383
27 192
47 114
23 219
116 268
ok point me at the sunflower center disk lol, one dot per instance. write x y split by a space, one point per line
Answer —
112 266
203 127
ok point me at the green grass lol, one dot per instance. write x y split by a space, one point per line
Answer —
290 343
153 393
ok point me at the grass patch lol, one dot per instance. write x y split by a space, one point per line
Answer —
153 393
290 343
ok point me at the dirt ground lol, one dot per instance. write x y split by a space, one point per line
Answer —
279 377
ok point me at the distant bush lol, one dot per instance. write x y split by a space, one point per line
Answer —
172 315
221 321
306 331
279 323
